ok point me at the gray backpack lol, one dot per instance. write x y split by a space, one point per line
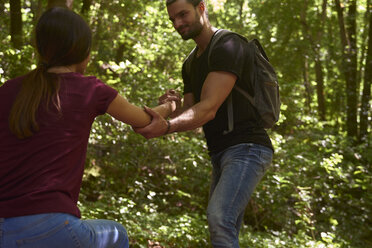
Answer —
263 80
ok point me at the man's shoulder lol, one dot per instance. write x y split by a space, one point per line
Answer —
231 40
226 44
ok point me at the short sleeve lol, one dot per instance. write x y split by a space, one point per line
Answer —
228 55
103 96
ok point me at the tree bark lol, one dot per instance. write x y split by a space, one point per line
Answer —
60 3
120 53
337 96
366 96
86 6
363 46
1 9
348 40
320 88
315 42
36 8
308 90
319 65
16 23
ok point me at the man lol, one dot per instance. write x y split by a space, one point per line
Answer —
240 157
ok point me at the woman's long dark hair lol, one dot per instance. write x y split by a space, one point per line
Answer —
62 38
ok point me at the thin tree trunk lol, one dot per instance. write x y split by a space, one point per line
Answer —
120 53
1 9
308 90
241 5
36 8
363 46
16 23
320 88
348 40
315 43
318 64
60 3
366 96
338 93
86 6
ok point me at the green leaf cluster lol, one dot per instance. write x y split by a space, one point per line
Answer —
317 192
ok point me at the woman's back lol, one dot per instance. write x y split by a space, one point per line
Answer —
43 173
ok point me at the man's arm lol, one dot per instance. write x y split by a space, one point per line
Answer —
216 88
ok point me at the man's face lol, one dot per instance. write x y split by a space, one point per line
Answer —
186 19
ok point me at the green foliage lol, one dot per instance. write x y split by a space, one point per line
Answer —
319 183
317 193
150 187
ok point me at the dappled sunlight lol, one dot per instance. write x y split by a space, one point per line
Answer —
317 192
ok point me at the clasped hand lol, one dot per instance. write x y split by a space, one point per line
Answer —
158 125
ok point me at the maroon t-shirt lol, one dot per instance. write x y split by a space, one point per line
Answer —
43 173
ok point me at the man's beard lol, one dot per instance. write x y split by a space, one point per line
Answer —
195 29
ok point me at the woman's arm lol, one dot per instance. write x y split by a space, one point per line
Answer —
128 113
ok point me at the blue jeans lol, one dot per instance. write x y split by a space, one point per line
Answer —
59 230
236 172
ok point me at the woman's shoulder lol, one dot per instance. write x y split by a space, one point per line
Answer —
75 76
13 83
76 82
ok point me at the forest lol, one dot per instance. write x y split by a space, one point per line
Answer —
318 191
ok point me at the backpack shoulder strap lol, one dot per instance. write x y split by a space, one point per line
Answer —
260 48
216 37
188 60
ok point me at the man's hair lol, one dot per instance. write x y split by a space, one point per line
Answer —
193 2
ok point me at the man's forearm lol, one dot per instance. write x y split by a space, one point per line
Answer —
192 118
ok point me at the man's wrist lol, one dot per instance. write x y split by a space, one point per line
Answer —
168 127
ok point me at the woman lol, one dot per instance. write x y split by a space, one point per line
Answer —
45 121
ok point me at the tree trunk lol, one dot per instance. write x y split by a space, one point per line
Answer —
120 53
336 108
348 39
36 8
315 42
308 90
320 88
60 3
363 46
365 106
16 23
1 9
318 64
86 6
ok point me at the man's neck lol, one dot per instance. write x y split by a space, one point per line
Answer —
203 39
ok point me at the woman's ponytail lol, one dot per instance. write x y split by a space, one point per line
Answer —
37 85
63 38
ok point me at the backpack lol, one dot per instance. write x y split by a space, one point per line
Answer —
266 100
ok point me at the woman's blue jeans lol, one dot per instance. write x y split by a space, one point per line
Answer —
236 172
59 230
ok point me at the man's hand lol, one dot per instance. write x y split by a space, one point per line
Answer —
172 96
156 128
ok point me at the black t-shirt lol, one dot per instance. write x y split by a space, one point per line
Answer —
229 55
